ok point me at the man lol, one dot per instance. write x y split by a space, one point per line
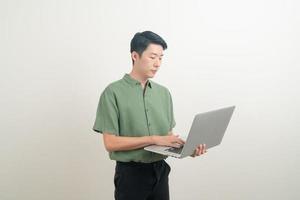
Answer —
135 112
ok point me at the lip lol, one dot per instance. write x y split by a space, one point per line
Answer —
154 71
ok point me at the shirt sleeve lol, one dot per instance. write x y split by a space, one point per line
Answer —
107 116
172 121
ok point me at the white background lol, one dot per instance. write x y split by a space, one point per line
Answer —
56 57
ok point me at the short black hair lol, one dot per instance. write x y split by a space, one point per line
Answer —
141 41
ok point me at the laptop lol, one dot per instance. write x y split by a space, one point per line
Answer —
207 128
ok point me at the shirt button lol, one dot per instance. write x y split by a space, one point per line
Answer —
148 124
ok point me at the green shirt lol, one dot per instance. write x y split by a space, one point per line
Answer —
126 109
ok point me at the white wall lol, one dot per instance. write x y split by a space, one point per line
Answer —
56 57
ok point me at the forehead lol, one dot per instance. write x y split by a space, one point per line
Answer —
154 49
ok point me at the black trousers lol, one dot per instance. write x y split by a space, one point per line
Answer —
142 181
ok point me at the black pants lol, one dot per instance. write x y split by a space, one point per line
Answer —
142 181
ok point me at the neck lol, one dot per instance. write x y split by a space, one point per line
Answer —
138 77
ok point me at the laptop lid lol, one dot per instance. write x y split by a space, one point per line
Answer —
207 128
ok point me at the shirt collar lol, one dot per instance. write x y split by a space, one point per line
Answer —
132 81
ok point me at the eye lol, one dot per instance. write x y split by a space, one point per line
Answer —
152 57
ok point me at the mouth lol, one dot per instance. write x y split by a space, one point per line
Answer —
153 71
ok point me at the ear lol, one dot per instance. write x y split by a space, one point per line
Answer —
134 55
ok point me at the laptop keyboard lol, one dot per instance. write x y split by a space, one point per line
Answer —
175 150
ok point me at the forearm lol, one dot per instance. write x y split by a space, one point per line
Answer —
121 143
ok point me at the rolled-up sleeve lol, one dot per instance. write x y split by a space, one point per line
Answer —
107 115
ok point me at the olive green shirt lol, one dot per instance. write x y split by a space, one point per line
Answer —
126 109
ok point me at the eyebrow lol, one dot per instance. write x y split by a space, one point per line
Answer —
157 54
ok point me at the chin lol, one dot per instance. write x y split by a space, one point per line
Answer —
151 75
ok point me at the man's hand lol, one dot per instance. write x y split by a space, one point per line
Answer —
201 149
170 140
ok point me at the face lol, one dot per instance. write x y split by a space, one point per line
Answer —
149 62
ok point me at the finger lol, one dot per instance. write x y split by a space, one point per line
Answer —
179 140
174 144
198 152
202 149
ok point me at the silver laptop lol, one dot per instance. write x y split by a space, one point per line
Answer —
207 128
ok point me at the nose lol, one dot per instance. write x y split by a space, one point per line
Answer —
157 63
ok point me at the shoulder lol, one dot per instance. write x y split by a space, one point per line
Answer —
113 87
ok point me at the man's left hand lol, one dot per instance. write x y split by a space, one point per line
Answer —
201 149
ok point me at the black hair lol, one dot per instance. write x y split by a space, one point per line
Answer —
141 41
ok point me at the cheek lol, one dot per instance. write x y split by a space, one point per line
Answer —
151 62
147 63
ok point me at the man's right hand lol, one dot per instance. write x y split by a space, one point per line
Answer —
171 140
